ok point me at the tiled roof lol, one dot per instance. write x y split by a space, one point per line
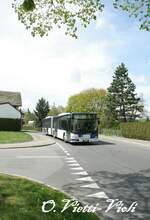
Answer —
14 98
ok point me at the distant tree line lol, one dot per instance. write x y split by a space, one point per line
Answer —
119 103
42 110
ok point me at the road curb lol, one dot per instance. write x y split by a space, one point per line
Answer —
34 180
24 147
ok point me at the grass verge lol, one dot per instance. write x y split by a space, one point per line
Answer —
111 132
23 199
7 137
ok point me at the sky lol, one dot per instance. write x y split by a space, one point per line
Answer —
58 66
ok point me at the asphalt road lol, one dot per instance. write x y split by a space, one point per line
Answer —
94 174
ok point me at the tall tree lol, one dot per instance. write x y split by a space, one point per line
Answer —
122 101
28 116
41 111
139 9
41 16
55 110
90 100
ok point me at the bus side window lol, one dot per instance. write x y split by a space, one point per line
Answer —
64 124
68 121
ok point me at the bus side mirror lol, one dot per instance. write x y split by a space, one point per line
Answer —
98 121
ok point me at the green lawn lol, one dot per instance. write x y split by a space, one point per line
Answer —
13 137
21 199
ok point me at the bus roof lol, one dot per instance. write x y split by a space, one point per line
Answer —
84 113
70 113
48 117
88 113
65 113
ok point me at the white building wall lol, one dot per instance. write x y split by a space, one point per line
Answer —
7 111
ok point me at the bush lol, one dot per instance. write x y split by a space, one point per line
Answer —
111 132
137 130
30 128
8 124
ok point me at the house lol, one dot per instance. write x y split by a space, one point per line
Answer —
10 111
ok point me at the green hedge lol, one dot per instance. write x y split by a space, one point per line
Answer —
7 124
111 132
137 130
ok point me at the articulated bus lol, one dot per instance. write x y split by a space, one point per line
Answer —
72 127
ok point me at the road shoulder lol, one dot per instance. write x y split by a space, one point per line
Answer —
127 140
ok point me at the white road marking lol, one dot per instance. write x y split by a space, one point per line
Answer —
71 161
39 157
74 164
92 186
76 168
88 178
69 158
61 147
98 195
84 173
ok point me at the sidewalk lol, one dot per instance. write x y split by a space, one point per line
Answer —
39 140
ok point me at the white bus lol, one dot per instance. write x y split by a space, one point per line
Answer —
72 127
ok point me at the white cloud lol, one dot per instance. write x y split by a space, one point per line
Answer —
57 66
142 82
104 23
44 68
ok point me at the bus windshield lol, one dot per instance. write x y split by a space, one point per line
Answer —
83 124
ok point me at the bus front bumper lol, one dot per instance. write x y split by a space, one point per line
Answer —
81 140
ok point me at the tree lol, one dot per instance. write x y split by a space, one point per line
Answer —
55 110
41 111
122 101
91 100
41 16
138 8
28 116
